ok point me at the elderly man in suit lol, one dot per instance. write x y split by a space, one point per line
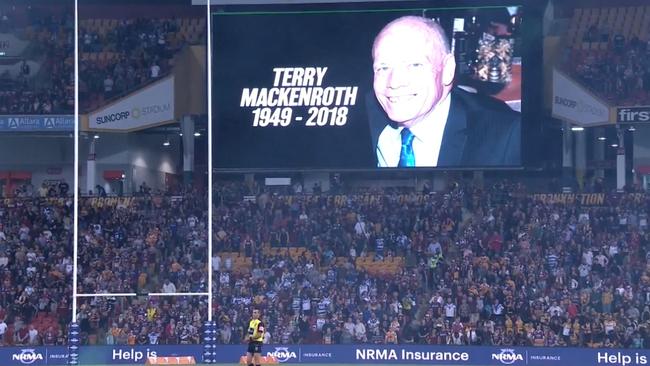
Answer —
426 121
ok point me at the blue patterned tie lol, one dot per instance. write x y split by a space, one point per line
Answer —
406 156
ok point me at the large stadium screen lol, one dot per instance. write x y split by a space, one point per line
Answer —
335 87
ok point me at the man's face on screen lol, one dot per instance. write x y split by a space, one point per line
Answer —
408 72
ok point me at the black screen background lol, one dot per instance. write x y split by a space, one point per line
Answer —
245 49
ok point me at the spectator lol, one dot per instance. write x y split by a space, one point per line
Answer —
3 330
488 288
155 71
33 336
108 86
168 287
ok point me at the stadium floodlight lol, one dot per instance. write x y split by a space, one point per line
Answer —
577 128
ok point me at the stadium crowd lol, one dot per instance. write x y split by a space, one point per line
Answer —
135 52
50 88
477 267
35 267
621 73
141 245
169 232
481 267
36 270
127 56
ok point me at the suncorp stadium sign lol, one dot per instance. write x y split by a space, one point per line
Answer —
575 104
152 105
581 107
113 117
135 113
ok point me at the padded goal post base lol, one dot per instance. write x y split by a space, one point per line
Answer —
172 360
265 360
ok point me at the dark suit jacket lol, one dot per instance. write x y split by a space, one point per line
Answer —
480 131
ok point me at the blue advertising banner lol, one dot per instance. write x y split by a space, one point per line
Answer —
56 355
441 355
338 354
36 123
129 355
24 356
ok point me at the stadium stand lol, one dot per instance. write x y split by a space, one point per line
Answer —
36 264
44 82
608 51
468 267
121 55
169 235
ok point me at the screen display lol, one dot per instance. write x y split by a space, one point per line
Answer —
385 88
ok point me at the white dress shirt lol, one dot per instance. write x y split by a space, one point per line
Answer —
426 144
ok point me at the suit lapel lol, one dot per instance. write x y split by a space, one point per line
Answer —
455 135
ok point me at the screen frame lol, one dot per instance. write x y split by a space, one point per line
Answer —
532 111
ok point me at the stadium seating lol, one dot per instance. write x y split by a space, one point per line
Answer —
609 52
169 232
48 88
533 257
125 50
36 263
515 271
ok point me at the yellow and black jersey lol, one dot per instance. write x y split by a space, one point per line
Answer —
256 330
